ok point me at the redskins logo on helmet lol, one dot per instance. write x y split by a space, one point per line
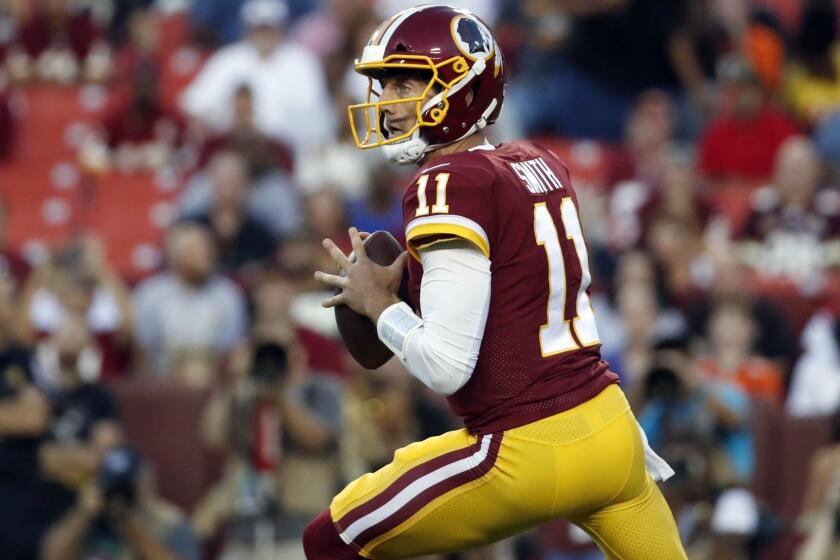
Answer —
458 53
472 38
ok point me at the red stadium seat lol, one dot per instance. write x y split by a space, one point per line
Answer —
589 162
51 199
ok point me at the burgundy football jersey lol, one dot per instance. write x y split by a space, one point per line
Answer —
540 353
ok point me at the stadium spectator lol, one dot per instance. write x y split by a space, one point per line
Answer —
140 46
326 216
298 258
813 82
188 317
273 390
644 323
271 198
341 164
581 92
679 424
648 133
763 42
381 208
120 515
120 28
140 133
78 282
815 382
8 124
821 512
11 261
728 283
730 354
326 31
263 154
748 130
734 522
286 80
668 189
676 245
241 241
710 419
274 297
59 42
9 20
793 222
84 416
379 417
137 131
24 419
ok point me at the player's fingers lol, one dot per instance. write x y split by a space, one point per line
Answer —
331 279
336 253
358 246
400 261
364 235
337 299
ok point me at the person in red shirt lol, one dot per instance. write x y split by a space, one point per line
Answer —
138 132
743 139
498 320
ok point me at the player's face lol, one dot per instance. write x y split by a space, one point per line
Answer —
401 117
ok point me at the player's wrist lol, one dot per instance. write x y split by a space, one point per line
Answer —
394 325
376 308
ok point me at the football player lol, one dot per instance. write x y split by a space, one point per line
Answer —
500 322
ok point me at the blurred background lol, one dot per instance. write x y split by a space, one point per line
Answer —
169 385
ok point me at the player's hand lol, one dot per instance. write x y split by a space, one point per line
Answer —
366 287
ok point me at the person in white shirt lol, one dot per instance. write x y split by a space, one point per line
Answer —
187 317
286 79
815 382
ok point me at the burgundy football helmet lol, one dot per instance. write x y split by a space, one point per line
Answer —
458 53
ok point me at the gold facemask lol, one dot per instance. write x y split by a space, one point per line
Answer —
371 113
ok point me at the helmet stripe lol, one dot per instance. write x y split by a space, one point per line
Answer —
376 37
397 21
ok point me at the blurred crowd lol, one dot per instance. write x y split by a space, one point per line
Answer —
704 141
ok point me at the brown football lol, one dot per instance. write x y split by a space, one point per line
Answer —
357 331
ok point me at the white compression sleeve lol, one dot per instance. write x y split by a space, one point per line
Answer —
441 349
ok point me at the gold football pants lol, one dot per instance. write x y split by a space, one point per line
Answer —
458 491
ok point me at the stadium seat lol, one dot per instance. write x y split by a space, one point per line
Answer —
185 469
589 162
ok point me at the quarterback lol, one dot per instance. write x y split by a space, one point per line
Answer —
499 321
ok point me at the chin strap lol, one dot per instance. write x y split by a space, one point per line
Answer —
408 151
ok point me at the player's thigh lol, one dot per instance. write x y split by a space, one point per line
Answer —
446 494
640 528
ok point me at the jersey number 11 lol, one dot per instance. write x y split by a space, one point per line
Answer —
561 334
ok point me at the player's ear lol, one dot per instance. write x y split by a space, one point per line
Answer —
469 98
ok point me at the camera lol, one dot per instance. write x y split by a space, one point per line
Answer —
269 363
118 477
663 383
